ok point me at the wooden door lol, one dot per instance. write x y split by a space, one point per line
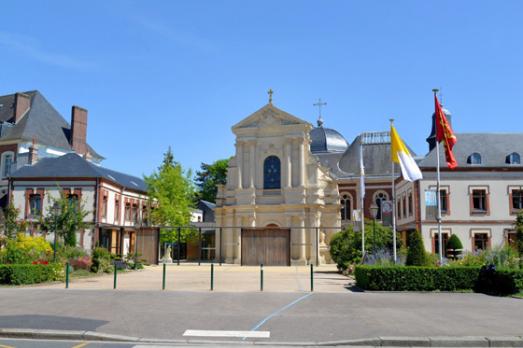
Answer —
267 246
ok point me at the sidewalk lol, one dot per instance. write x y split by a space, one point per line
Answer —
227 278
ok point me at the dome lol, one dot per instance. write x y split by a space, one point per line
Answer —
327 140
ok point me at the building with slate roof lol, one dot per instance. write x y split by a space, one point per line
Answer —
31 128
275 193
43 157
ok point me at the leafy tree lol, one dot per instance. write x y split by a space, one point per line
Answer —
519 237
416 255
9 218
454 245
345 246
209 177
170 191
69 219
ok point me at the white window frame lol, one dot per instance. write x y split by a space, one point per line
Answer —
2 162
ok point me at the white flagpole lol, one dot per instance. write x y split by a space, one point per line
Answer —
393 201
438 193
362 199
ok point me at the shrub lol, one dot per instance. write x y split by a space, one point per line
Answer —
416 255
134 261
345 246
30 274
400 278
101 261
494 281
26 249
455 246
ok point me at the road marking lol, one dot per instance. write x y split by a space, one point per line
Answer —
225 333
279 311
4 346
80 345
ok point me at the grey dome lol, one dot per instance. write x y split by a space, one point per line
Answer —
327 140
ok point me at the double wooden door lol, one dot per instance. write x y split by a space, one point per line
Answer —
267 246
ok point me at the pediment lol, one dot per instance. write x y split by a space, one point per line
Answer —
269 116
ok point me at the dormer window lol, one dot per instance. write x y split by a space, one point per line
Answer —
474 158
513 158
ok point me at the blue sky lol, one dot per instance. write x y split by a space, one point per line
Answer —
160 73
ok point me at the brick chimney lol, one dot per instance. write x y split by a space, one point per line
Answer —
33 153
78 137
22 104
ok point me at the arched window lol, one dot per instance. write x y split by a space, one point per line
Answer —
378 198
271 173
346 207
513 158
474 158
7 163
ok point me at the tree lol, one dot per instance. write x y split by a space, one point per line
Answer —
170 192
209 177
519 237
11 225
416 255
69 220
455 246
345 246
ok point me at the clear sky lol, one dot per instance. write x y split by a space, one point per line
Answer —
181 73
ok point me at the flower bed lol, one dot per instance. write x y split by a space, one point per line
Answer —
30 273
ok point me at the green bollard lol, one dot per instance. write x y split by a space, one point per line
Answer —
163 277
212 276
261 277
312 278
115 276
67 275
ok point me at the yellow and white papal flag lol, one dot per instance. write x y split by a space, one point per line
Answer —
400 154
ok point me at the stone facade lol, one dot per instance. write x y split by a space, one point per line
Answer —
306 199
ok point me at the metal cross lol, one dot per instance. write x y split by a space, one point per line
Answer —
269 92
319 104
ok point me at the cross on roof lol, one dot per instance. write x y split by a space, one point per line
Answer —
270 92
319 104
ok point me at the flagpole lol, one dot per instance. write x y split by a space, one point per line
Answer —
438 180
362 198
393 201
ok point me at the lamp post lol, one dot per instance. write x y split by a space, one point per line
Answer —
56 212
374 212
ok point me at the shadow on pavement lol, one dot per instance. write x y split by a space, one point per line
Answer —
49 322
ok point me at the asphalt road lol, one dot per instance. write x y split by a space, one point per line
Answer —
289 317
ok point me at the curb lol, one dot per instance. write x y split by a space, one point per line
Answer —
436 341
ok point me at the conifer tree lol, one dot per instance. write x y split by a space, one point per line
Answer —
416 255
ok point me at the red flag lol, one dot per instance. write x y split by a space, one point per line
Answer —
444 133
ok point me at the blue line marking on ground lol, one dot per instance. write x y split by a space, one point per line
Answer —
279 311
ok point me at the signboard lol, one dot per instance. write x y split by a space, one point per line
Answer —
386 213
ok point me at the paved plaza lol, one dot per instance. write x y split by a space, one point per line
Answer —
227 278
287 317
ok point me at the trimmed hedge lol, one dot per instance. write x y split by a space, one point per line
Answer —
500 281
414 278
30 274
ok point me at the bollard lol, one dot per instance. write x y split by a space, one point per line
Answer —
115 276
67 275
312 278
163 277
212 276
261 277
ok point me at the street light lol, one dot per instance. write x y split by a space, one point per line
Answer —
374 212
56 212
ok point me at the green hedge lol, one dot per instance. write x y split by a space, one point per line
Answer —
500 282
415 278
30 274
